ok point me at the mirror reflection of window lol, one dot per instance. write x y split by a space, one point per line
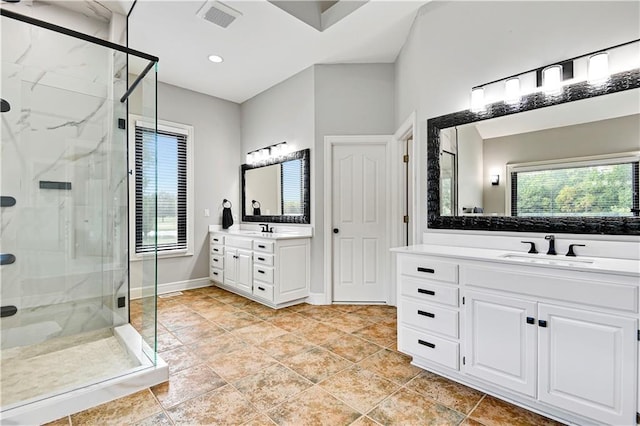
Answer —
291 188
447 184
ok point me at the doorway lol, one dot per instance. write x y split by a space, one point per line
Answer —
357 212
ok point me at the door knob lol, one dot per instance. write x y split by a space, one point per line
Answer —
336 230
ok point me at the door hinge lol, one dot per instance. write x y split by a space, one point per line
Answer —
464 360
405 219
405 158
463 300
639 335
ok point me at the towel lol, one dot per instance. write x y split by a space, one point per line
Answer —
227 218
256 211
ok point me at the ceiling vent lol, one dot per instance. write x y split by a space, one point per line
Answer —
218 13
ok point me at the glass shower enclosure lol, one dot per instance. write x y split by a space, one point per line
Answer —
67 331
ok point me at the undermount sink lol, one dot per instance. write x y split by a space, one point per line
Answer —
548 260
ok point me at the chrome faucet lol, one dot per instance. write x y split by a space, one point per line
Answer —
552 244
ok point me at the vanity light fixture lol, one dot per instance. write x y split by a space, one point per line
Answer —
268 152
551 79
512 90
216 59
477 99
598 68
495 180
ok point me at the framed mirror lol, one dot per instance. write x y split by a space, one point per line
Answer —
277 190
559 164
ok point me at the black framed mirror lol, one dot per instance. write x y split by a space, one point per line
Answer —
277 190
472 217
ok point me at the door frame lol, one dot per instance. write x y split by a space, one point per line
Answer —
329 143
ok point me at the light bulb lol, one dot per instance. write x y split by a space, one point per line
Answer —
598 68
512 90
477 99
551 79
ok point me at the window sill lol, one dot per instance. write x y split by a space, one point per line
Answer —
148 256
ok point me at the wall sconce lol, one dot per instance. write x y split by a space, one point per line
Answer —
272 151
477 99
598 68
512 90
495 180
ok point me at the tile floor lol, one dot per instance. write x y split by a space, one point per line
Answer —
234 361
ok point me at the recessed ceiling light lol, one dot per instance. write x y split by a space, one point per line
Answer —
216 59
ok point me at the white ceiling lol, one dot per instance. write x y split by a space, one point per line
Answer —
264 46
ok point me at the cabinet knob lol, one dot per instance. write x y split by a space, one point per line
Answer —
336 230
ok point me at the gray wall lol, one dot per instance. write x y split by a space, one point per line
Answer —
600 137
216 174
454 46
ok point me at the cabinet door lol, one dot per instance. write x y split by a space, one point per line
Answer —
230 273
244 279
500 345
587 363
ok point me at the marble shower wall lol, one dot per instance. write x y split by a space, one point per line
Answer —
70 245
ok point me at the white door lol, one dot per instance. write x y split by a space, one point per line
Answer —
244 270
501 341
587 363
359 222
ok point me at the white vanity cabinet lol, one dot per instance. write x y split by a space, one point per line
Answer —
558 341
273 271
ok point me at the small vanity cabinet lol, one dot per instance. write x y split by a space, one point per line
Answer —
559 340
274 271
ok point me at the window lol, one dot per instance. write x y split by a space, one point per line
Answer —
161 173
594 187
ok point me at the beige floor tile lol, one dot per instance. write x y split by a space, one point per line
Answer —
215 311
230 298
365 421
261 420
160 419
271 386
320 333
258 333
446 392
235 320
323 312
174 322
377 333
352 348
261 311
64 421
198 331
285 346
127 410
359 388
299 308
376 313
391 365
347 322
224 343
409 408
470 422
223 406
292 322
241 363
313 407
316 364
167 341
179 359
186 384
493 412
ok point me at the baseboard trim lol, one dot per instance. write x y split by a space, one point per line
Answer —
136 292
317 299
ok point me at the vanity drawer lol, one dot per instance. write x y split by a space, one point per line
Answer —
262 290
216 274
426 267
430 318
266 246
217 249
244 243
217 239
263 273
429 291
431 348
263 259
217 261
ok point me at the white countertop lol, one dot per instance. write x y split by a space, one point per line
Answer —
579 263
261 235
